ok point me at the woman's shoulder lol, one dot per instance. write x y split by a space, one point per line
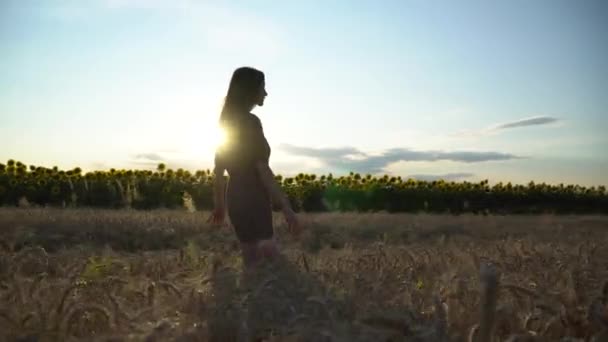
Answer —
255 120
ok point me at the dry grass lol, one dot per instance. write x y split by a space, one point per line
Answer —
165 275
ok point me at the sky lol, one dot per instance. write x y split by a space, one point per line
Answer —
462 90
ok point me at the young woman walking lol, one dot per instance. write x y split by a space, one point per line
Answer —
252 187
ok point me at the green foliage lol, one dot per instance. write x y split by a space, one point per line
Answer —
167 188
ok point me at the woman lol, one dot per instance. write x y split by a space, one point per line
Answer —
252 185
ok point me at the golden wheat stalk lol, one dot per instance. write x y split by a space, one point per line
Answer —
170 287
7 317
489 294
73 315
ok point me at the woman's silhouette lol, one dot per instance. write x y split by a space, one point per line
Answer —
252 186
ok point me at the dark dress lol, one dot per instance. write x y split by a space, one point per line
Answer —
248 202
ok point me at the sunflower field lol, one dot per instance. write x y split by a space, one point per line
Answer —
168 188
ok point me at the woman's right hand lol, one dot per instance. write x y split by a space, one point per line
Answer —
293 224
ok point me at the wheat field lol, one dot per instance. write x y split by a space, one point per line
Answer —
165 275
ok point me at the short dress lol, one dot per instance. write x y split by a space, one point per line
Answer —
248 202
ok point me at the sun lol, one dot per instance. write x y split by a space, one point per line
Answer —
198 143
218 137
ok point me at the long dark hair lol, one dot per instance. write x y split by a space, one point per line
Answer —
241 97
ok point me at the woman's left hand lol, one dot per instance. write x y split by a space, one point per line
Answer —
217 217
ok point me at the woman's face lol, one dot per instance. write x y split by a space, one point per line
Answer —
261 94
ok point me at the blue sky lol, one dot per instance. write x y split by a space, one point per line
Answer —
467 90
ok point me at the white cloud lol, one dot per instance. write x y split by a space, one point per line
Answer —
532 121
336 158
495 129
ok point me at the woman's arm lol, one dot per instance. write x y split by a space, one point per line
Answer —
219 193
278 196
272 186
219 187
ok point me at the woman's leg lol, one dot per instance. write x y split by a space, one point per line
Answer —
268 248
249 253
255 251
